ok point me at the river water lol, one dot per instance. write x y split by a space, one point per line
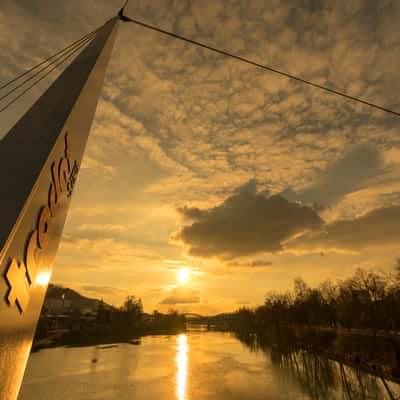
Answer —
192 366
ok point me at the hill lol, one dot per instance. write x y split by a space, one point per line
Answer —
75 299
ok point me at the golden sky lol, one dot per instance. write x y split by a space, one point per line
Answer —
195 161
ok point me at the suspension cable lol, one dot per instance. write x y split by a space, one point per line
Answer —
85 40
49 59
256 64
66 56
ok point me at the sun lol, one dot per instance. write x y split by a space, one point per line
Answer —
183 275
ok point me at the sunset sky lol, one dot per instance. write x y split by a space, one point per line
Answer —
197 162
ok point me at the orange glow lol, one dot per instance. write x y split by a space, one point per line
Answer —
181 363
183 275
43 278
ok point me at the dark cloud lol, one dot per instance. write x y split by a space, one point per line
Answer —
192 213
248 222
346 175
376 229
251 264
182 295
245 223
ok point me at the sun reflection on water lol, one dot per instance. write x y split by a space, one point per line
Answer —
181 363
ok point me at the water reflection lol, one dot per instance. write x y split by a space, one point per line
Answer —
318 376
181 363
220 368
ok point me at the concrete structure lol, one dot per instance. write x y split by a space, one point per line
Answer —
39 161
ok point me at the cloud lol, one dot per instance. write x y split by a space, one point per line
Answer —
181 295
105 252
246 223
379 228
113 228
77 266
347 174
104 290
251 263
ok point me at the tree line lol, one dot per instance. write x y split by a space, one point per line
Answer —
103 324
131 318
367 300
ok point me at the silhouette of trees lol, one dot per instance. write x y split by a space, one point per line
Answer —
103 313
133 309
106 324
356 319
170 322
367 300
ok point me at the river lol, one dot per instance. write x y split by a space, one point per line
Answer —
192 366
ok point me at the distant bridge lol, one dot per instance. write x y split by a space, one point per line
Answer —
194 316
220 319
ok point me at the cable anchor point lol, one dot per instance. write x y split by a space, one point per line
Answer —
121 14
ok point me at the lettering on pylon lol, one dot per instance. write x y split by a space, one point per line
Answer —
20 276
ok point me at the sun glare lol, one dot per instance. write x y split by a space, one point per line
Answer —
43 278
183 275
181 361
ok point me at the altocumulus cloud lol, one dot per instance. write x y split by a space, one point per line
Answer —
247 222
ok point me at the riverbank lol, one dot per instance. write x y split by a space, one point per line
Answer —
79 340
362 349
89 330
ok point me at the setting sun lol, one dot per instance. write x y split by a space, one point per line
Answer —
183 275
